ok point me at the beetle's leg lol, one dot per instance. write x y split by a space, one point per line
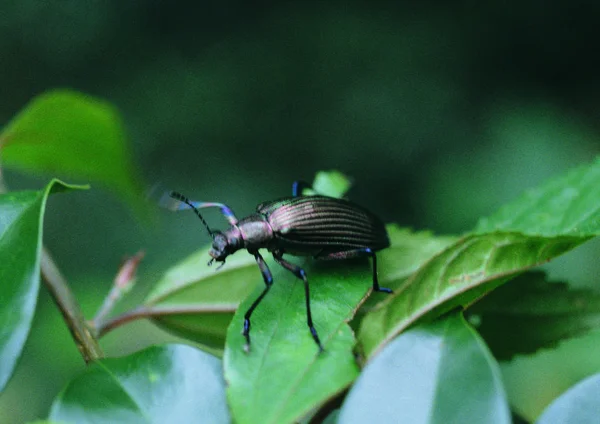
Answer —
376 286
298 187
356 254
266 273
299 272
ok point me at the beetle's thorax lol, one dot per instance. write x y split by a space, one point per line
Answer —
255 232
252 233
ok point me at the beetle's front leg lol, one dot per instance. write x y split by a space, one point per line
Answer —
356 254
266 273
299 272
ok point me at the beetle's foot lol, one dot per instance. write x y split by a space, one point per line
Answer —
246 334
313 331
383 289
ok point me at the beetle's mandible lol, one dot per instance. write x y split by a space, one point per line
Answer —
318 226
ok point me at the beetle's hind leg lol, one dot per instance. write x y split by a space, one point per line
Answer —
357 253
298 188
266 273
299 272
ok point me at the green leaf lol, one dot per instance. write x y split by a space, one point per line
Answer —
171 383
457 276
62 132
195 301
21 218
529 313
283 377
568 205
440 372
578 405
535 229
331 183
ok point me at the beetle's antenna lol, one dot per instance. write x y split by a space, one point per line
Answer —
167 202
182 198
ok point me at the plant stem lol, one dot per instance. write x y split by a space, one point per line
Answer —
132 315
123 282
86 343
149 312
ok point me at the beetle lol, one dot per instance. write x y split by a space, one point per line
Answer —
319 226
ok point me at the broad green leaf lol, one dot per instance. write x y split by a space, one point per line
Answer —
161 384
568 205
21 218
529 313
534 229
283 377
62 132
440 372
196 301
578 405
457 276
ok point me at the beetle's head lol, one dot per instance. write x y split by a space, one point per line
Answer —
221 248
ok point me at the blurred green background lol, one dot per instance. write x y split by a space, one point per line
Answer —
439 111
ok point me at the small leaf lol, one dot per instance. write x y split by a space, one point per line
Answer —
284 377
62 132
535 229
331 183
529 313
578 405
161 384
436 373
21 218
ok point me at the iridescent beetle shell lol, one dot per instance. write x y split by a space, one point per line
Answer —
314 224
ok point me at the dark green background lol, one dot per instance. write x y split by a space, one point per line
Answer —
440 111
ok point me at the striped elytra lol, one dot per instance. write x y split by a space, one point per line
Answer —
324 221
